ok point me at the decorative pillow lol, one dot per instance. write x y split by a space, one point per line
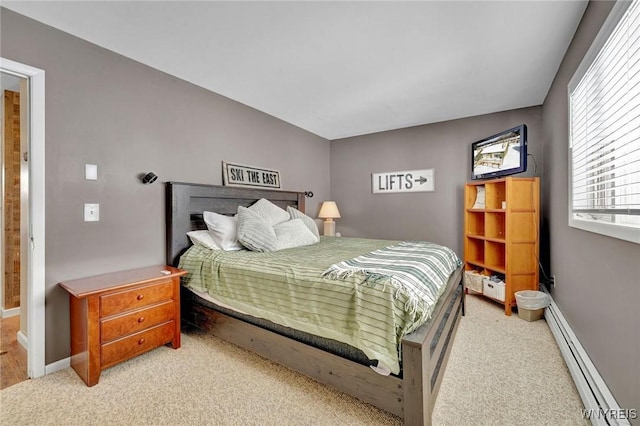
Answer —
293 233
254 232
309 222
203 238
269 211
223 230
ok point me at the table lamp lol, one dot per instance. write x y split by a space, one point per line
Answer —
328 212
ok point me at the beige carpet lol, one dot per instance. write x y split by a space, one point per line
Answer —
502 370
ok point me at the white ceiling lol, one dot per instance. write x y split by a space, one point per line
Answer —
339 69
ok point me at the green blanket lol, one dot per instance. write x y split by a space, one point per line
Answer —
287 287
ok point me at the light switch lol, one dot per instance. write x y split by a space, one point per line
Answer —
91 212
91 172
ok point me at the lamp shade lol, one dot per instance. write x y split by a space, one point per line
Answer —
329 210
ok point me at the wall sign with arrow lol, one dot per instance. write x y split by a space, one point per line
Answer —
405 181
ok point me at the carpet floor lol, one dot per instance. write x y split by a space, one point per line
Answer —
502 370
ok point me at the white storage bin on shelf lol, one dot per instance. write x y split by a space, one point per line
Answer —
473 281
494 289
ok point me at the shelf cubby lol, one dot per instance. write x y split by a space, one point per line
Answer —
475 224
475 250
495 225
495 256
495 194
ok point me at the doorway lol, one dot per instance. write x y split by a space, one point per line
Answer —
14 222
14 192
31 310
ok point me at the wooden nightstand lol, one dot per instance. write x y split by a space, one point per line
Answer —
117 316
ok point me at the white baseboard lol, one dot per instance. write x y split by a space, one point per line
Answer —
22 339
50 368
13 312
601 408
57 366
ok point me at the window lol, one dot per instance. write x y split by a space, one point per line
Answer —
604 130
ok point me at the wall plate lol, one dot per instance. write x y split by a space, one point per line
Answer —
91 172
91 212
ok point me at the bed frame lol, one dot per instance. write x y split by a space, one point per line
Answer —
424 352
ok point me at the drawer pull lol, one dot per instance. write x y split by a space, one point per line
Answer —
141 341
140 296
141 319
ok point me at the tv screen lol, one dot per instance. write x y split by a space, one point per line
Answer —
500 155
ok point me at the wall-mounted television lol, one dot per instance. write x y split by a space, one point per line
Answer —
500 155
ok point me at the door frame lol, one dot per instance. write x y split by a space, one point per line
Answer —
36 249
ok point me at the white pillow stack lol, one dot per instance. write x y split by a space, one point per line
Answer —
261 227
266 227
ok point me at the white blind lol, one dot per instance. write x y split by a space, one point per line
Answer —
605 130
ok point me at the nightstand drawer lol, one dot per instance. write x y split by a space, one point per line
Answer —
115 327
125 348
119 302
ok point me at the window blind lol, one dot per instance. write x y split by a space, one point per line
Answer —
604 111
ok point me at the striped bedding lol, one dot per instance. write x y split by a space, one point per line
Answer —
369 312
418 269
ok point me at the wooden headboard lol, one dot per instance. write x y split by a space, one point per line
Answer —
185 203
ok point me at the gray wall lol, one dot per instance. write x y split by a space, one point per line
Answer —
127 118
598 277
446 148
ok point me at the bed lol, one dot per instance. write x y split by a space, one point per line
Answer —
409 394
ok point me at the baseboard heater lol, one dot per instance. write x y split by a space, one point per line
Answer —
601 408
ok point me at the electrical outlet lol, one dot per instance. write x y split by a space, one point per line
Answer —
553 280
91 212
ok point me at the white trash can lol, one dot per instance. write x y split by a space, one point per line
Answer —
531 304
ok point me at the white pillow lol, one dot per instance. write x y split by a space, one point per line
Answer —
223 230
203 238
269 211
254 232
293 233
309 222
